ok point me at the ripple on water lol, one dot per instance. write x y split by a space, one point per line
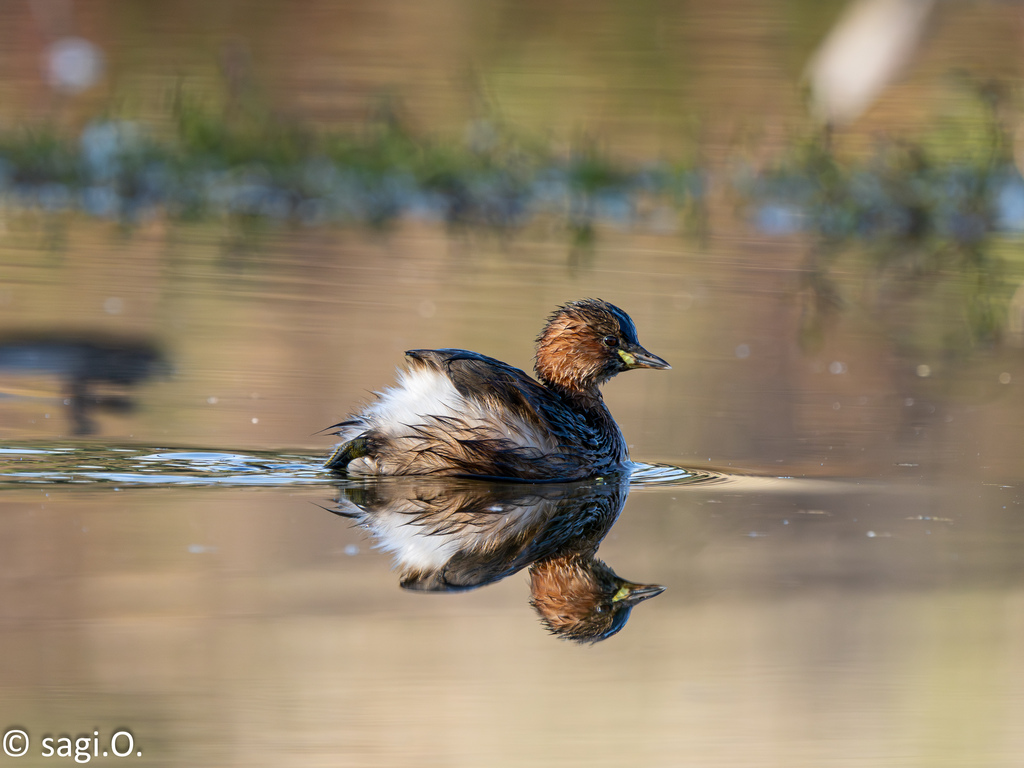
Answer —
651 475
148 466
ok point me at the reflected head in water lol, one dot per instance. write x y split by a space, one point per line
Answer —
454 535
462 414
582 599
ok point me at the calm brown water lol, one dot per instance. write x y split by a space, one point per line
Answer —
871 616
849 593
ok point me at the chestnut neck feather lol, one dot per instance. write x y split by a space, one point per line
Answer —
570 360
573 361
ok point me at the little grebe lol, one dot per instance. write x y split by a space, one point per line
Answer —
460 413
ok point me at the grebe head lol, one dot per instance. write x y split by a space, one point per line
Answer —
587 342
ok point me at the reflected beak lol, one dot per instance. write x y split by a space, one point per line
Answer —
634 593
638 357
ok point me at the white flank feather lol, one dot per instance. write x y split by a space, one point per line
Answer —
423 393
420 392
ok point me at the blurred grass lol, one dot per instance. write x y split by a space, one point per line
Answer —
917 216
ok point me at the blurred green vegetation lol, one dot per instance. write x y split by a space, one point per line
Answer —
919 234
916 234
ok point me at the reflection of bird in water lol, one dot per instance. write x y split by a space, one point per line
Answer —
580 598
449 536
460 413
82 363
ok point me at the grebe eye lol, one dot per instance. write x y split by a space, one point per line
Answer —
610 341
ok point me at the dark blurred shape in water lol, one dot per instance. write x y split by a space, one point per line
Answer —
459 535
82 363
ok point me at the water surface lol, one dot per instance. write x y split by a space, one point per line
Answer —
212 604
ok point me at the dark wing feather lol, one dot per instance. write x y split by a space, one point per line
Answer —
502 387
483 378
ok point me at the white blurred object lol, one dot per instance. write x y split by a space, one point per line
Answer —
73 64
867 49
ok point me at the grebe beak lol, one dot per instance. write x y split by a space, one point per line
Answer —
634 593
638 357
